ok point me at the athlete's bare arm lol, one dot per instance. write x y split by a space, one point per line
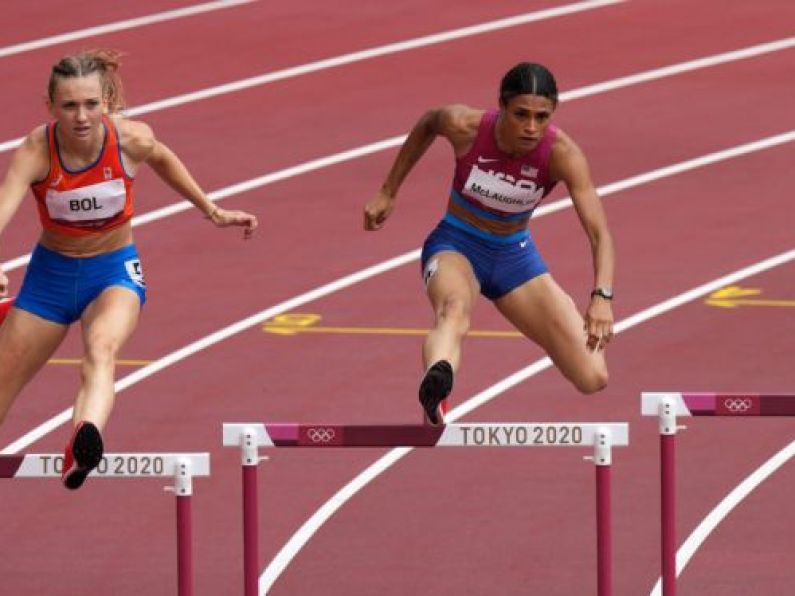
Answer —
140 145
457 123
568 164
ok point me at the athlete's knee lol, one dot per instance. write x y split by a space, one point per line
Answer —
100 352
593 381
454 311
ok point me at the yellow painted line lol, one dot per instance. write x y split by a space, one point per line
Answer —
287 330
735 303
733 292
74 361
734 296
294 323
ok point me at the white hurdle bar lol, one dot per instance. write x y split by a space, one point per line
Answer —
182 467
601 437
667 406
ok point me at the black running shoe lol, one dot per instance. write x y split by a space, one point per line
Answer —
435 387
82 454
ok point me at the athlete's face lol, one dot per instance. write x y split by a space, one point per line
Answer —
78 106
525 118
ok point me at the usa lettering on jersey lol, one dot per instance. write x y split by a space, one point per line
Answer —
501 191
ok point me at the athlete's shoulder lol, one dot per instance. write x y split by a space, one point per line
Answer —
564 146
137 138
30 162
566 161
34 151
460 118
36 139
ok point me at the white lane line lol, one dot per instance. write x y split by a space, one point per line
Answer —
345 282
368 149
343 59
133 23
313 524
245 186
689 66
722 510
376 52
219 336
337 158
618 83
278 75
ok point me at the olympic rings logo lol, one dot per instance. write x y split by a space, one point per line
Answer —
320 435
737 405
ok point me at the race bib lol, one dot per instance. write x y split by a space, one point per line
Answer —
497 191
93 203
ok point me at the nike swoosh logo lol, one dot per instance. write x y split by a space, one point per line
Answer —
486 160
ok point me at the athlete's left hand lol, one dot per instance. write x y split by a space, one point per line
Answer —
224 218
598 324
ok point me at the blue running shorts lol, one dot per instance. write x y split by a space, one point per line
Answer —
59 288
500 264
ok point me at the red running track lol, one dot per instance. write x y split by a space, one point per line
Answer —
436 522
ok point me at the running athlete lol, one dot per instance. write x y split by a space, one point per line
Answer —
81 169
506 162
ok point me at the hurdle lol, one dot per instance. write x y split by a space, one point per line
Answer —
182 467
667 406
599 436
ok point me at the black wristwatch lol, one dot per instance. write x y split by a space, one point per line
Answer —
606 293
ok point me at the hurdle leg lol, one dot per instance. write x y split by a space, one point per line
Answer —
668 517
668 428
604 536
183 489
250 513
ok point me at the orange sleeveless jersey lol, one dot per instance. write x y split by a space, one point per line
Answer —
90 201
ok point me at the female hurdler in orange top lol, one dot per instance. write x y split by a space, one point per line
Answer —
81 169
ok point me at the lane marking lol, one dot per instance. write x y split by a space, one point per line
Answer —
722 510
376 331
76 361
734 296
297 323
564 203
197 346
344 282
594 89
359 56
279 75
133 23
297 541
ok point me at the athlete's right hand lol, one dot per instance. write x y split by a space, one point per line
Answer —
3 284
378 210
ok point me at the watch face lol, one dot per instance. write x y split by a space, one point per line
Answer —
606 293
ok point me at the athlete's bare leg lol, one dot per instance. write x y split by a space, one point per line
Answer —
543 312
26 343
452 291
107 324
